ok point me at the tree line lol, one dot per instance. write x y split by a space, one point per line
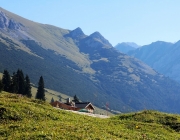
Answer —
19 84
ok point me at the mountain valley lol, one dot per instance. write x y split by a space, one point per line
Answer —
161 56
88 66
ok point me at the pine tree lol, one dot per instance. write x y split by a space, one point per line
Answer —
27 91
21 82
76 99
52 100
1 85
40 91
14 83
6 80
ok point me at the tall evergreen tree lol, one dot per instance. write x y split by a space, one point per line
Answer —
6 80
27 91
21 82
14 83
76 99
40 91
52 100
1 85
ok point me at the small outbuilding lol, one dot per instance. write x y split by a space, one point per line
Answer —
85 106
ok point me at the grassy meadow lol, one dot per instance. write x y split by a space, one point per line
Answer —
23 118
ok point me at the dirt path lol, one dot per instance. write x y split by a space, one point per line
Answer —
88 114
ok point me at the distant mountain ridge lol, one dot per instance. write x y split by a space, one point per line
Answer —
124 47
88 66
162 56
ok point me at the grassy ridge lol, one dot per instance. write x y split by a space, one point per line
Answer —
23 118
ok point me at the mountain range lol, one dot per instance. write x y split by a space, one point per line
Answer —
86 65
162 56
125 47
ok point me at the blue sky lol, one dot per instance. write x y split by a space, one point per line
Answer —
139 21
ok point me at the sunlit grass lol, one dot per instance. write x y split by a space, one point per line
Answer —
25 118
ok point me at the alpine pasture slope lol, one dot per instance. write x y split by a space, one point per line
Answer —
88 66
24 118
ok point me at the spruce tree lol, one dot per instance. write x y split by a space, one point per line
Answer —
21 82
76 99
27 91
1 85
40 91
6 80
14 83
52 100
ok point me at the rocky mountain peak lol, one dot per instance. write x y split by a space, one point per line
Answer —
76 34
77 31
96 35
132 44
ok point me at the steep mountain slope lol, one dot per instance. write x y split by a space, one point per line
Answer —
88 66
125 47
162 56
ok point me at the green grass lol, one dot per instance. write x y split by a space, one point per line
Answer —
23 118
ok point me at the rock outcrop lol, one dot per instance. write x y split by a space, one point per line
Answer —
6 23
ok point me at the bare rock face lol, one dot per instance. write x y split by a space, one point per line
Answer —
6 23
12 28
3 20
14 25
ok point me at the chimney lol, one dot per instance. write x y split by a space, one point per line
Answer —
68 100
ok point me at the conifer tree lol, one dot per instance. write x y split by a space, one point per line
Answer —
52 100
40 91
27 91
1 85
14 83
76 99
6 80
21 82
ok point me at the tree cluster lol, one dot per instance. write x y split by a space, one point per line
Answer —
19 84
16 83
